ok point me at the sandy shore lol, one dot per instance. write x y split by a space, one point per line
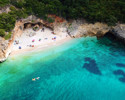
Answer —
42 41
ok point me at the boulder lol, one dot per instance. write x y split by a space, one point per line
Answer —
85 29
119 32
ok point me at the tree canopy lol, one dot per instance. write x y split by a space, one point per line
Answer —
107 11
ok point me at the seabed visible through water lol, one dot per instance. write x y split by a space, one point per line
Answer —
82 69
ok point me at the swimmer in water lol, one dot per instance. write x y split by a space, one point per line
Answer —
33 79
37 78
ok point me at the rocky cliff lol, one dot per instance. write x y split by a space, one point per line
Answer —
3 48
6 45
5 9
119 32
80 28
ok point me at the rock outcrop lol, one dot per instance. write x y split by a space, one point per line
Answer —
5 9
82 29
119 32
3 48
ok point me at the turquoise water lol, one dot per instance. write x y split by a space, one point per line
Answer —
82 69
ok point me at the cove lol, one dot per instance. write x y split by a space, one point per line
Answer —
81 69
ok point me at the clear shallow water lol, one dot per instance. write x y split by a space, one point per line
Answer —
82 69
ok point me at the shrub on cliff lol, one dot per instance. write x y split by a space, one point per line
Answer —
2 32
50 20
8 36
12 8
7 22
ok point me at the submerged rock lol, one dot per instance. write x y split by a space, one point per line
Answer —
122 75
119 72
91 66
122 79
120 65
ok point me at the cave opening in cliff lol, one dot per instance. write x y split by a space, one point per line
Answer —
110 35
30 25
113 38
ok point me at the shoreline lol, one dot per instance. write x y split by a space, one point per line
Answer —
38 48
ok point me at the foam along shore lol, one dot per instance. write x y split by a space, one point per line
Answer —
32 40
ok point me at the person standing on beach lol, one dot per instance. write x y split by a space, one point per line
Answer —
42 29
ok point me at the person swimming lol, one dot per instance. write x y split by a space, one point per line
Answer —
38 78
33 79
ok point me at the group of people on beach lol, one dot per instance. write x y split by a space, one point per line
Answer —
16 42
42 29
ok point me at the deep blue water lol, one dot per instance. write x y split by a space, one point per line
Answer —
82 69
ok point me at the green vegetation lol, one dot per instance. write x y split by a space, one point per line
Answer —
2 32
107 11
35 28
7 20
8 36
3 3
50 20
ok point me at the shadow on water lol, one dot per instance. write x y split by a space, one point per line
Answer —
115 45
91 66
110 40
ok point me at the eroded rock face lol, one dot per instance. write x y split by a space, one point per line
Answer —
60 28
5 9
3 48
119 32
81 29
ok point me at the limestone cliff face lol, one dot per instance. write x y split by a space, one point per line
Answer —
60 28
119 32
3 48
6 45
82 29
5 9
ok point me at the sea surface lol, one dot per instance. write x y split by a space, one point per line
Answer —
81 69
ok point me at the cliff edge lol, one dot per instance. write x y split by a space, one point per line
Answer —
119 32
